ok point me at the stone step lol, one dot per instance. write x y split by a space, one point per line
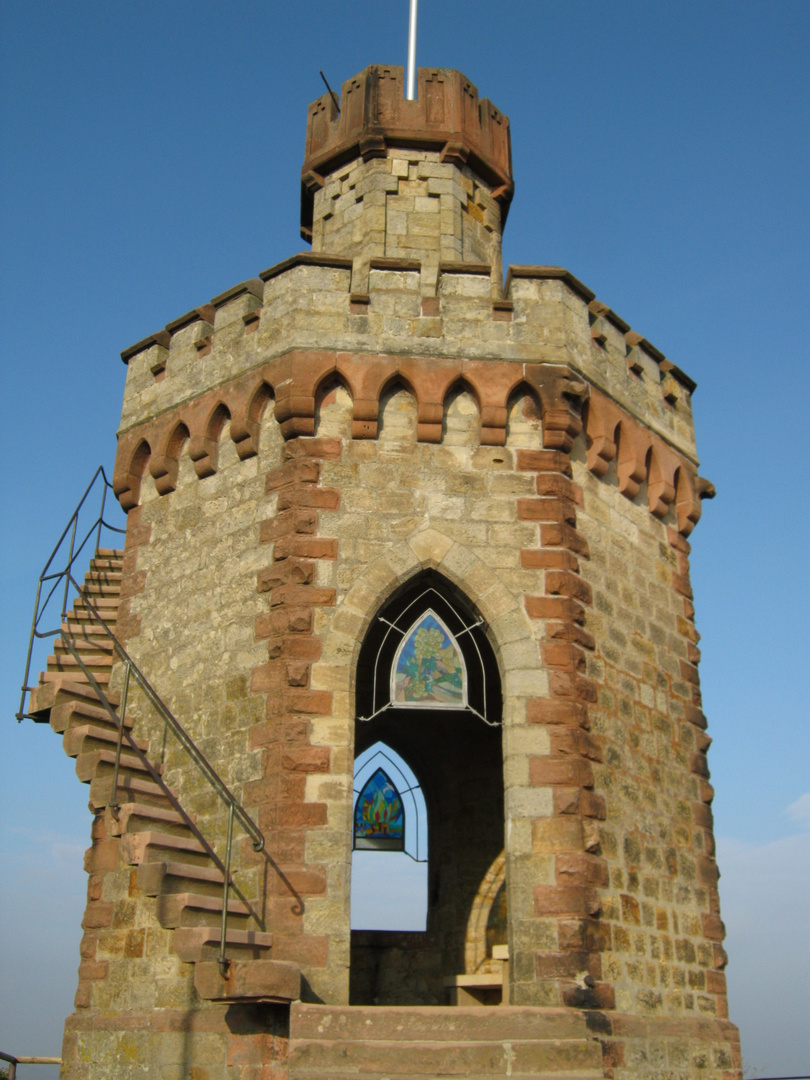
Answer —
430 1023
102 604
97 587
194 909
60 690
129 788
201 943
507 1057
95 763
390 1073
150 846
84 738
58 672
85 641
254 981
68 713
136 817
97 662
108 553
172 876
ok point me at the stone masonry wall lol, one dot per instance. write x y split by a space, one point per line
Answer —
407 205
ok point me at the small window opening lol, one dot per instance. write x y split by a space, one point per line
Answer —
389 860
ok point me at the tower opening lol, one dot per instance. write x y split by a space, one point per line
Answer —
428 696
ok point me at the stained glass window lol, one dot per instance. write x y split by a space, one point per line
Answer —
428 668
379 817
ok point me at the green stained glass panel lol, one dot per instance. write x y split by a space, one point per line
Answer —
428 668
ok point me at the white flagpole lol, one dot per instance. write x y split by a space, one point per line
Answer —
411 95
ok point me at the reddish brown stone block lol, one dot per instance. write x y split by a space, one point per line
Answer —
293 471
571 632
554 607
567 772
548 711
562 655
98 914
559 486
561 583
569 685
581 869
548 559
327 449
559 534
306 547
713 927
573 742
302 596
287 523
304 495
288 572
308 759
543 461
559 511
303 815
682 585
298 674
312 702
561 900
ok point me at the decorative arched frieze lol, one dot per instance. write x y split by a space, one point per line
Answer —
687 499
663 464
204 448
293 382
163 463
130 464
562 394
632 446
643 456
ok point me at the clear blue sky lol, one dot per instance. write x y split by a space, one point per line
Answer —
151 160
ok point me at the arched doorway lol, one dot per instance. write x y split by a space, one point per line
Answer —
428 688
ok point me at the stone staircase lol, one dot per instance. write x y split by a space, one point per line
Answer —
419 1043
152 832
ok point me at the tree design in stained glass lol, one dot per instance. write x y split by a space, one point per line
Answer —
379 817
428 669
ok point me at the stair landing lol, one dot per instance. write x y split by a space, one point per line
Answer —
419 1043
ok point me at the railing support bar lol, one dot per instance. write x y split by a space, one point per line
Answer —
115 806
70 564
226 884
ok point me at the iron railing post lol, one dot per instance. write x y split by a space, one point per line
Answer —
226 884
115 806
101 517
21 713
69 563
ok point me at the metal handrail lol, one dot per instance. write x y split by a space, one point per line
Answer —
56 577
235 808
118 715
15 1061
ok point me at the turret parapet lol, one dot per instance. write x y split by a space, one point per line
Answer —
446 117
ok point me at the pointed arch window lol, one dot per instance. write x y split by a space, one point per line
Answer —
426 650
428 667
379 816
389 810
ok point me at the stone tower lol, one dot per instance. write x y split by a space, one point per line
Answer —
379 494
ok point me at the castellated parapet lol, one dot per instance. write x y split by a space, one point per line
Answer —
303 459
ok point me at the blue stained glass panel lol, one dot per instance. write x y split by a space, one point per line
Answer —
379 818
428 668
